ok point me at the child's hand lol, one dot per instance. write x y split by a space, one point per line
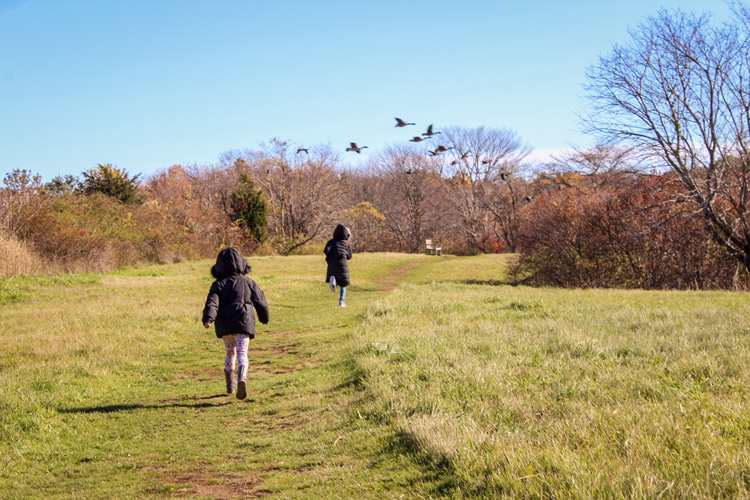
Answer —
207 325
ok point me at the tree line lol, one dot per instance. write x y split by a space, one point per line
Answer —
660 202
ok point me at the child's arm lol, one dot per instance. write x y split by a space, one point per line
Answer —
327 249
259 303
211 308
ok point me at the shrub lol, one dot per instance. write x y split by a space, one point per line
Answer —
98 233
632 233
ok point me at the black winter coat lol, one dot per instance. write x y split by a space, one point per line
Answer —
233 296
338 251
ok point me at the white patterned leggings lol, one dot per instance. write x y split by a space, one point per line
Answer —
236 346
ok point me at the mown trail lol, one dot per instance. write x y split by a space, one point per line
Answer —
127 401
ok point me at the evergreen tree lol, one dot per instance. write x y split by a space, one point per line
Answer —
110 180
249 210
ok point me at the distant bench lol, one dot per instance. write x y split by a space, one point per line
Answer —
432 248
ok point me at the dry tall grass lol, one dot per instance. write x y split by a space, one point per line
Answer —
17 259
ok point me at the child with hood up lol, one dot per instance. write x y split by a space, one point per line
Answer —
229 306
338 251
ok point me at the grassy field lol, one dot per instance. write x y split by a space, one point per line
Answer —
437 381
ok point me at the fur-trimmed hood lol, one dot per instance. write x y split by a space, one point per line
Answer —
229 262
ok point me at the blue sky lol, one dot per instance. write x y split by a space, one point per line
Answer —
145 84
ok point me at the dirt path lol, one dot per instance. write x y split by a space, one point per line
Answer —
286 418
389 282
398 274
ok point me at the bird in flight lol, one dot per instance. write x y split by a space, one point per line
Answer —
418 139
402 123
303 150
430 132
442 149
353 147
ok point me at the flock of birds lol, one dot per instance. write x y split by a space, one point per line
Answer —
419 138
399 123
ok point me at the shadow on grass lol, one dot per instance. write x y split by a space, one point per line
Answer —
438 474
138 406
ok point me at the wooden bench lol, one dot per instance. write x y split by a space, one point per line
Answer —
432 248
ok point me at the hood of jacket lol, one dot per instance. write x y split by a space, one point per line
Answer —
229 262
341 232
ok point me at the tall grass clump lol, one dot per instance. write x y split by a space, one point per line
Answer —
17 258
548 393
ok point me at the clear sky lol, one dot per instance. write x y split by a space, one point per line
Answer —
145 84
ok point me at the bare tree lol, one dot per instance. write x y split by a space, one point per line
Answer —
212 185
303 191
367 188
483 168
598 165
680 92
406 195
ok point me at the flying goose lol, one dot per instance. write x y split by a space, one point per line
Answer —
353 147
430 132
442 149
402 123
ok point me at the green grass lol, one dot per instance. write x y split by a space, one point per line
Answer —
540 393
19 288
437 381
114 389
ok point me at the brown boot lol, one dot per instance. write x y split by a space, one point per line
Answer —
231 383
241 385
241 390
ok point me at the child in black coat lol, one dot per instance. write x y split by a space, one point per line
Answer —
229 305
338 251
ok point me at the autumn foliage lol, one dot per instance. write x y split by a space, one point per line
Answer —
629 231
592 219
